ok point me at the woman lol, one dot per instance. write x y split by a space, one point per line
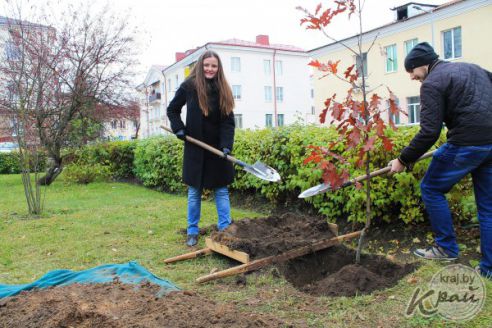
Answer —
209 118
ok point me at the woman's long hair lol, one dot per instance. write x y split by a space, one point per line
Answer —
197 76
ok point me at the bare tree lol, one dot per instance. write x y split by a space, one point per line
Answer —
64 66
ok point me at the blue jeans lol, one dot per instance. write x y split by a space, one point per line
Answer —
449 165
194 207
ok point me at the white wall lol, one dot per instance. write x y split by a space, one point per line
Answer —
295 80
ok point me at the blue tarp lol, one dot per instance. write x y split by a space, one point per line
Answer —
128 273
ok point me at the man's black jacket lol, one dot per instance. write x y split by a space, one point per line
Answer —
460 95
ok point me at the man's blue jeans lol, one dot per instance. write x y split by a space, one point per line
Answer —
194 208
449 165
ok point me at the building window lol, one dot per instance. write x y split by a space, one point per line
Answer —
413 105
280 119
391 60
279 94
122 124
452 43
235 64
176 78
312 93
114 124
409 44
12 51
268 93
267 66
313 110
268 120
236 92
238 120
278 67
169 84
395 118
361 64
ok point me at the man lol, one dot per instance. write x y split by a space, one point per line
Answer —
459 95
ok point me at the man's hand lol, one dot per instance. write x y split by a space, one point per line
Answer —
181 134
226 152
396 166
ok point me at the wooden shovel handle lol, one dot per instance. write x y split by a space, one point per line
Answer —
207 147
381 171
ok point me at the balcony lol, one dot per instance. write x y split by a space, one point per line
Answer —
154 97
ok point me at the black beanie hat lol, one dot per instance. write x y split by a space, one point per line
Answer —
420 55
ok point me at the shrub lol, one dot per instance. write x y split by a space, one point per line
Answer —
9 163
158 162
86 173
116 156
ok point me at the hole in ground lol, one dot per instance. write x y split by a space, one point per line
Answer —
333 272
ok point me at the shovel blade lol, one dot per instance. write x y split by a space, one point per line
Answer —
263 172
316 190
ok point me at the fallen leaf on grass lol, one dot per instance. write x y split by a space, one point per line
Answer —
412 280
416 240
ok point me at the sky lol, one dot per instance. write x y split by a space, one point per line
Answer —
178 25
170 26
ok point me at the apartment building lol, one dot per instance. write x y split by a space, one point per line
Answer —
270 84
456 29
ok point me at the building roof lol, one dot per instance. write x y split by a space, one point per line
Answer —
243 43
240 43
12 21
440 7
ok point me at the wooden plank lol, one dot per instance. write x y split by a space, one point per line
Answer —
224 250
257 264
191 255
333 228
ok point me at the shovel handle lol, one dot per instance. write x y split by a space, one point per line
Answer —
381 171
207 147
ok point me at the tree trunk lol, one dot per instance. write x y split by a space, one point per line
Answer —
54 169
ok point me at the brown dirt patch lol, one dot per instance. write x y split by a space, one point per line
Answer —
273 235
329 272
118 305
333 272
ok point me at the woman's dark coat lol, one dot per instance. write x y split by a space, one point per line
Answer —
201 168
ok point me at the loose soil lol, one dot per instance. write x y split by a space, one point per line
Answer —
332 272
273 235
117 305
329 272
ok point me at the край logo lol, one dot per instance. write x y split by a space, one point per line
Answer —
456 293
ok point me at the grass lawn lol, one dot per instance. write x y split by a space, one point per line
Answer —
87 225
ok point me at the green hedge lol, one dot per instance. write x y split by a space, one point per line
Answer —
9 163
157 163
114 159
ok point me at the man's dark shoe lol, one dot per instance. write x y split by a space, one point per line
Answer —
191 240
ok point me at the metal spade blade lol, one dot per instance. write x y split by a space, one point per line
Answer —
258 169
262 171
316 190
324 187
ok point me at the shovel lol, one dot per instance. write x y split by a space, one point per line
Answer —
258 169
324 187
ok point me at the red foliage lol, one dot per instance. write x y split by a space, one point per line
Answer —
359 122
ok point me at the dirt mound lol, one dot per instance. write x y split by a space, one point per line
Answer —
332 272
329 272
118 305
274 234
